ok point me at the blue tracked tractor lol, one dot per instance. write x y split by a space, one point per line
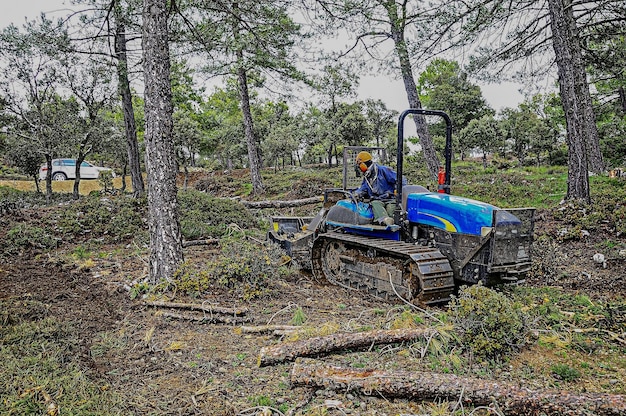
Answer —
437 242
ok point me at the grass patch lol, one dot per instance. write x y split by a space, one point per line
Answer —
64 187
39 370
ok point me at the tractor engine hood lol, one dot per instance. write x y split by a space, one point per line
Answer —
455 214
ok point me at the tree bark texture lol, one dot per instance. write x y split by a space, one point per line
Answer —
397 34
512 399
166 251
130 127
582 133
289 351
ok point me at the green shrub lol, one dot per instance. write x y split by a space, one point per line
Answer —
117 217
243 267
565 372
488 323
12 197
299 317
202 215
23 236
105 178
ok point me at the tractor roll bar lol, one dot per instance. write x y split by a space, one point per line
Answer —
400 154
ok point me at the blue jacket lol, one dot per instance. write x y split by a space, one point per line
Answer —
379 183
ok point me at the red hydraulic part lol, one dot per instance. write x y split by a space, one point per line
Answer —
441 180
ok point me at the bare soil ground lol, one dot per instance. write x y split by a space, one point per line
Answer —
166 366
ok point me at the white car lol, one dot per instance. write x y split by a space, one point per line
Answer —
63 169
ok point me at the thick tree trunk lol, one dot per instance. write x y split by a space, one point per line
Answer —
582 133
397 34
166 252
130 127
289 351
510 398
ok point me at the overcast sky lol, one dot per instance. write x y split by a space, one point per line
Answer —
390 91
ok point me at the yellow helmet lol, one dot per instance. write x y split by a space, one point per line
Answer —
363 157
362 160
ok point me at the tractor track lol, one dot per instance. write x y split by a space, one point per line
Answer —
383 268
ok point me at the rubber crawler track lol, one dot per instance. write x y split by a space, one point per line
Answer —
383 268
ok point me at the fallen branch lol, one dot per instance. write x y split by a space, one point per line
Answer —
282 204
265 328
279 353
511 398
199 307
209 242
205 319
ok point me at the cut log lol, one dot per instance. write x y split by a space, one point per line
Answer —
209 242
282 204
199 307
289 351
260 329
205 319
510 398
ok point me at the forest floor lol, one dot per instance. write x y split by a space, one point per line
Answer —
158 365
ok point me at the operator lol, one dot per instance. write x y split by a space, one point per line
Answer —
379 184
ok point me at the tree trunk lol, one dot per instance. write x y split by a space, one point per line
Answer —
48 178
289 351
79 161
130 128
397 34
123 188
582 133
242 78
510 398
186 176
166 253
330 156
82 154
253 155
